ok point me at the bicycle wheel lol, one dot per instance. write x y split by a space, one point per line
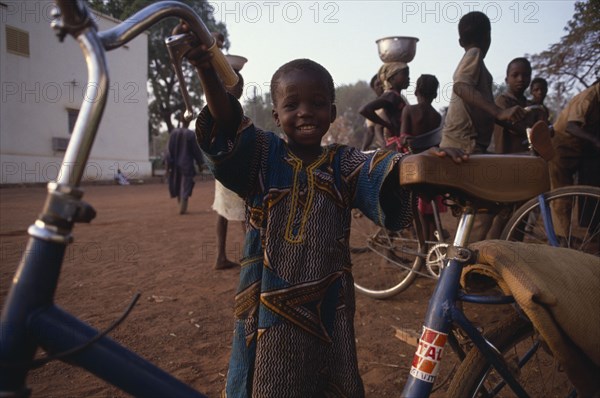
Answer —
383 262
540 374
575 214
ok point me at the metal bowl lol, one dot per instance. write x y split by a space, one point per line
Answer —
397 48
237 62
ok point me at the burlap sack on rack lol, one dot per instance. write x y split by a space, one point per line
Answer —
559 290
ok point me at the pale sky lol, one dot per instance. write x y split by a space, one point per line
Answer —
341 35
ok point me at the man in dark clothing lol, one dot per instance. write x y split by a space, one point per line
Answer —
183 151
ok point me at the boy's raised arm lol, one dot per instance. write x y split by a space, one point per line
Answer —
219 103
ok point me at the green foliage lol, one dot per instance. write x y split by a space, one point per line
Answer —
573 63
166 102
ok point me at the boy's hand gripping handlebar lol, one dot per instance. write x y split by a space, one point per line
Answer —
179 45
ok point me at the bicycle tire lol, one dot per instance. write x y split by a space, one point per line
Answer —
541 376
579 230
383 262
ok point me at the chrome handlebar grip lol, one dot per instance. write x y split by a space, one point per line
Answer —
178 47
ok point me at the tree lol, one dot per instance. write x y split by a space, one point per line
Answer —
166 102
259 109
498 89
574 62
349 99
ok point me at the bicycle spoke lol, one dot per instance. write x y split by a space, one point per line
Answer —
388 264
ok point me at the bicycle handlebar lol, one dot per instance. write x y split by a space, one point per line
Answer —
74 19
73 13
145 18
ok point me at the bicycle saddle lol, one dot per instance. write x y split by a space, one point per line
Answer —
491 178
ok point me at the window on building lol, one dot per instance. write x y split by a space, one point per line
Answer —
72 118
17 41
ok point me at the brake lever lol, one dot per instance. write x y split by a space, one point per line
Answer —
178 46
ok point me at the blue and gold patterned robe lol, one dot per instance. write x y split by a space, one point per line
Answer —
294 308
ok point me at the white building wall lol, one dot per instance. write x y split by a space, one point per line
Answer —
37 91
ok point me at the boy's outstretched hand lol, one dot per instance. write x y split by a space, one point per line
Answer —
199 56
513 114
457 155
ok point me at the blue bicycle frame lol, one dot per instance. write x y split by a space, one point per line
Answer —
443 313
30 319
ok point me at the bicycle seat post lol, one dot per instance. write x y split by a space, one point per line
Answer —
465 224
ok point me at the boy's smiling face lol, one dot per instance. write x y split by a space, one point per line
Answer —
303 109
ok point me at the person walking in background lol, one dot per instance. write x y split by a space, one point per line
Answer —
183 153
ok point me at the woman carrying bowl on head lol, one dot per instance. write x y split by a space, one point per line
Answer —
395 78
396 52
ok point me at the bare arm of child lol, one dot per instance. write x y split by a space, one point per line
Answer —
473 97
406 123
368 111
378 138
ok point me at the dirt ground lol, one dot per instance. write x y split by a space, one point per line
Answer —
183 320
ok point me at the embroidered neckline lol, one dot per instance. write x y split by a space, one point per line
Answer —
297 165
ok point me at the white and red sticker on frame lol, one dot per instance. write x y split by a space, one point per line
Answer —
425 364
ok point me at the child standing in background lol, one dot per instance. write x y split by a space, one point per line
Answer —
539 90
469 122
418 120
512 137
421 118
